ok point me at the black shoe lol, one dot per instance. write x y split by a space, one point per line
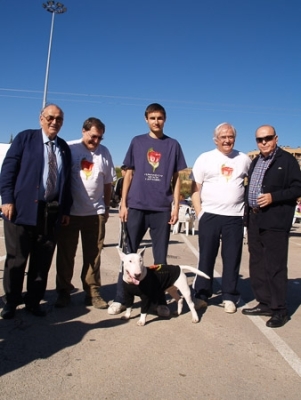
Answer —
277 320
20 301
88 301
8 311
63 300
258 310
35 310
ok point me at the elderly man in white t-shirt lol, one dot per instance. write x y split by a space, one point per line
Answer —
92 175
218 200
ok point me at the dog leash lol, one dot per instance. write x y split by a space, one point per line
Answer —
123 242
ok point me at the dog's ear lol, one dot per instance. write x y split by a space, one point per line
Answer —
121 253
141 253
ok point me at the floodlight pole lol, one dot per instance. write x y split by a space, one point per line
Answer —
53 8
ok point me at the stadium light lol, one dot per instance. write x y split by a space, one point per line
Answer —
54 8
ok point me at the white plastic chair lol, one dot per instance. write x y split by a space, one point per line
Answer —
187 218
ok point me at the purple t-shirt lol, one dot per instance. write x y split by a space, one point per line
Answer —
154 162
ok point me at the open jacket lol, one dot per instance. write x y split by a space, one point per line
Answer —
283 180
21 174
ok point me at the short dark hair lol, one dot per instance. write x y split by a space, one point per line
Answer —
123 167
153 108
90 122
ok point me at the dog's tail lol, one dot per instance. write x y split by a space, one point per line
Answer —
193 270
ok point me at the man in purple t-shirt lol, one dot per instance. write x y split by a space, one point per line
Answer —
150 194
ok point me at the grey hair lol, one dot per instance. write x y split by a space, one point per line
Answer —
218 128
51 104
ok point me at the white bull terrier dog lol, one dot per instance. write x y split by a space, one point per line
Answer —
149 283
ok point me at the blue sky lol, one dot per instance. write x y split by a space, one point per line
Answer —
205 61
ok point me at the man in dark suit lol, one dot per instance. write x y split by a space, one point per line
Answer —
36 199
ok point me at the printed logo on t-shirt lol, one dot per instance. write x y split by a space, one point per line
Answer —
153 157
86 167
226 171
156 267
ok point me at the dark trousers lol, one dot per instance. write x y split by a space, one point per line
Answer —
213 230
268 264
92 230
139 221
37 243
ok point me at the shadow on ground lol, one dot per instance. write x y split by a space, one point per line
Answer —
27 338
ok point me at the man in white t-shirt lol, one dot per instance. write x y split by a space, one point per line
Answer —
218 199
92 175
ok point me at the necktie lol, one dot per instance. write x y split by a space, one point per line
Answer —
50 190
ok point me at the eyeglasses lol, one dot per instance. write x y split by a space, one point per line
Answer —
51 118
265 138
95 137
226 137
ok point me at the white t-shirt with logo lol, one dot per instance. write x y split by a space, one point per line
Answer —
90 172
222 179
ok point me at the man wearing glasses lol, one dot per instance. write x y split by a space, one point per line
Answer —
218 199
274 186
91 180
35 190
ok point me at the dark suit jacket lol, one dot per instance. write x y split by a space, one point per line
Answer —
21 174
283 180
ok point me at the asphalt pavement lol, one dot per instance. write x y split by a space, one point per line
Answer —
83 353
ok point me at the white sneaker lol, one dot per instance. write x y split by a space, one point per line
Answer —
116 308
199 303
229 306
163 311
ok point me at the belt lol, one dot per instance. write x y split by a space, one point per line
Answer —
254 210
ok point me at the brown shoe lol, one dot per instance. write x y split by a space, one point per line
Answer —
97 302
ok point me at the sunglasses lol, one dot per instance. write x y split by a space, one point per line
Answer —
265 138
51 118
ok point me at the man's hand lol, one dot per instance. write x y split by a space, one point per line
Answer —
264 199
174 216
65 220
8 210
123 213
107 214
